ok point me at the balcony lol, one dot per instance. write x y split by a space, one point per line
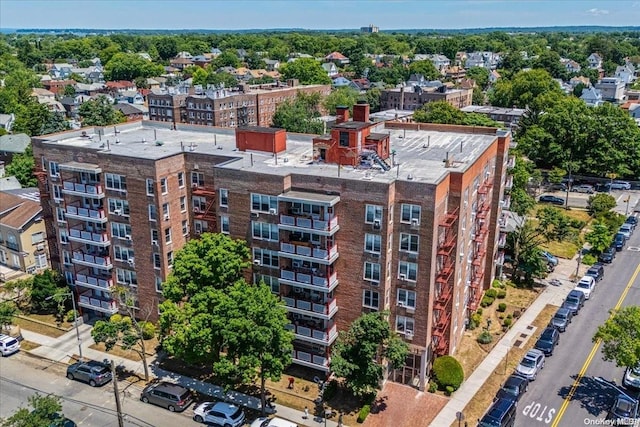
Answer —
511 163
480 235
483 210
310 360
322 310
201 190
509 183
443 321
97 239
479 257
444 274
506 203
446 247
476 282
485 187
314 336
94 191
442 346
449 219
304 223
502 240
97 304
443 298
94 282
89 260
306 252
309 280
95 215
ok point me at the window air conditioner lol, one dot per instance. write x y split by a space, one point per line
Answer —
117 211
377 224
40 246
403 277
194 185
131 261
166 217
257 262
272 211
415 222
196 210
400 304
154 242
55 175
127 236
255 215
408 335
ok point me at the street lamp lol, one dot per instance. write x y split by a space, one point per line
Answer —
75 316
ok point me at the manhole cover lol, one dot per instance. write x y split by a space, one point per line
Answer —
633 248
530 327
518 343
523 335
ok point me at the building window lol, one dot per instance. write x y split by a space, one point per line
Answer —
410 214
370 299
126 277
183 203
54 169
185 227
41 261
170 259
404 325
344 139
158 284
263 203
122 253
153 213
64 237
57 192
164 189
60 215
372 243
409 242
115 182
373 213
120 230
165 211
37 238
157 261
408 271
167 235
154 236
150 187
265 257
372 272
181 179
406 298
224 197
264 231
118 207
197 179
224 224
270 281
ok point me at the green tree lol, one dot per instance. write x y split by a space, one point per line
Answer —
523 90
358 354
480 75
8 310
228 58
167 47
556 175
69 90
21 291
600 203
21 167
620 336
426 68
372 96
43 286
528 263
438 112
599 237
300 115
99 112
307 70
346 96
129 66
255 62
478 97
43 411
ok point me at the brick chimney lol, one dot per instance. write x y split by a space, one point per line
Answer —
361 112
342 114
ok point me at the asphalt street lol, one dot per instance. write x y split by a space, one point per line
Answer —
569 374
22 376
626 200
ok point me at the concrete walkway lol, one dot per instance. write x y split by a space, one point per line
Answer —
551 295
63 348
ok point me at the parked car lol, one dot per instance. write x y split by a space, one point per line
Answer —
219 413
619 185
607 255
632 220
561 319
272 422
550 258
596 271
174 397
584 188
574 301
551 199
501 414
619 240
513 388
586 285
624 410
631 378
531 364
92 372
8 345
548 341
626 229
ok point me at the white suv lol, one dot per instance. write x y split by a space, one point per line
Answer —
586 286
8 345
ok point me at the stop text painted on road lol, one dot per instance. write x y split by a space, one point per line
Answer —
538 412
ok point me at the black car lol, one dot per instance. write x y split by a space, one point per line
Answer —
548 341
561 319
624 410
501 414
513 388
551 199
632 220
607 255
574 301
619 241
596 271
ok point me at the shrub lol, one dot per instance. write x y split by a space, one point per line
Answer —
116 318
448 372
507 322
433 386
509 316
502 294
479 310
502 307
497 284
589 259
516 313
330 390
491 293
364 412
126 319
72 315
476 318
449 390
148 330
486 301
471 325
485 337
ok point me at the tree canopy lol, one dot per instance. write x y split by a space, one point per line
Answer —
445 113
308 71
99 112
42 411
620 336
129 66
22 166
300 115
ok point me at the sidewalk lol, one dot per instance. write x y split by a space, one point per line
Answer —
551 295
63 348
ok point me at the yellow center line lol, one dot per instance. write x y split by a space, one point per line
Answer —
593 352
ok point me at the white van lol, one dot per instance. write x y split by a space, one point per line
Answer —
8 345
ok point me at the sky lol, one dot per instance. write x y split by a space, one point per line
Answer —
314 14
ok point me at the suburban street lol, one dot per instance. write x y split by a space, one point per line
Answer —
591 399
21 376
579 200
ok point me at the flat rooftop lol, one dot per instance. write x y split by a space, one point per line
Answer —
419 155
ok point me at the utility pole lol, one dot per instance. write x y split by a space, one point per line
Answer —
117 394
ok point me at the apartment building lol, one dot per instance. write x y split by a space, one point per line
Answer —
413 97
249 105
374 216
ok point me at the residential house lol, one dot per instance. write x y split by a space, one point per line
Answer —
130 97
591 96
145 55
632 95
488 60
570 65
441 62
92 74
61 71
181 63
48 98
6 121
56 86
91 89
8 182
201 61
242 54
626 73
272 64
467 84
337 58
611 88
156 83
508 116
131 112
362 84
215 52
341 81
494 76
575 81
331 69
12 144
460 59
415 96
634 110
595 61
23 246
455 73
118 86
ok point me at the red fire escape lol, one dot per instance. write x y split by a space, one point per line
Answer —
208 213
444 282
478 262
47 216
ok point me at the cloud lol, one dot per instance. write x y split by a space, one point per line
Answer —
597 12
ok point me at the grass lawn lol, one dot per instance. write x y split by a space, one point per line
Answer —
150 347
565 249
28 345
482 400
49 330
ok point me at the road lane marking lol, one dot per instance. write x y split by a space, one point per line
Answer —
594 349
